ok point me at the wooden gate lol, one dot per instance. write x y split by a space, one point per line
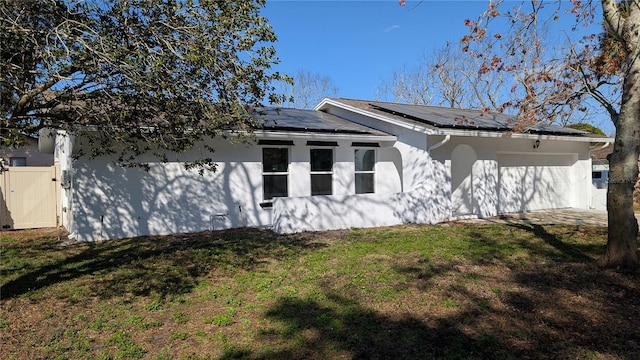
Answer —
29 197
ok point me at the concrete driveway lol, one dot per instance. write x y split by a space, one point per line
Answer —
561 216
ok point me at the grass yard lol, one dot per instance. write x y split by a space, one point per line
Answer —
448 291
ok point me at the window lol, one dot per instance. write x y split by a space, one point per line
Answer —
275 172
321 171
18 161
365 160
599 179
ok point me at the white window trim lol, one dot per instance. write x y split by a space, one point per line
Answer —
375 165
333 163
265 202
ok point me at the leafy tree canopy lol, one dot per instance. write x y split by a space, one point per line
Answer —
554 80
141 76
587 127
603 67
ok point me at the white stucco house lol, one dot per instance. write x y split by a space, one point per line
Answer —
347 163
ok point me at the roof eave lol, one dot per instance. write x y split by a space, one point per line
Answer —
326 103
519 135
265 134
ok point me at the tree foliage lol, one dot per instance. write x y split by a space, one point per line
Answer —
307 89
504 72
603 66
144 76
587 127
554 75
447 77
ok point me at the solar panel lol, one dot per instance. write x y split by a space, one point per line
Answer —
466 119
449 117
310 120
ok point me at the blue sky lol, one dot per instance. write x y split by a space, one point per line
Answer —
358 43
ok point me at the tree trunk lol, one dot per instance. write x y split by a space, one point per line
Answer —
622 245
622 242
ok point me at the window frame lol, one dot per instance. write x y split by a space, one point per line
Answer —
372 171
321 172
268 202
22 161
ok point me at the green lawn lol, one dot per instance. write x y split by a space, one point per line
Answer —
448 291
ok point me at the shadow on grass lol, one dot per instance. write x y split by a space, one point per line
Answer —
168 265
345 329
530 321
568 252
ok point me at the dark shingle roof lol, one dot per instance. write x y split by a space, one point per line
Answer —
286 119
601 153
451 118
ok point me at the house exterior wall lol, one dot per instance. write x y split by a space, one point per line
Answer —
314 213
556 179
106 201
599 199
29 152
556 170
556 174
62 151
418 179
411 145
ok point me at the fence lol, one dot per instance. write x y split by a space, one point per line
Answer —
29 197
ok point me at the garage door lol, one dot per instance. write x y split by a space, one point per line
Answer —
535 182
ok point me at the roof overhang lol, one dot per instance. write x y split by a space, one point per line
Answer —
262 134
327 103
519 135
